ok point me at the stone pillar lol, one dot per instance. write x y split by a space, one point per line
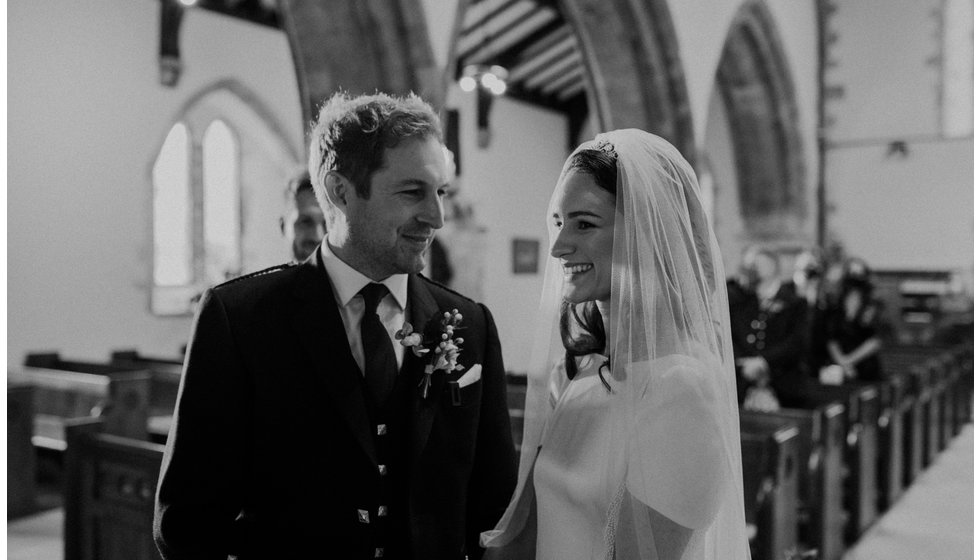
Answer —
360 46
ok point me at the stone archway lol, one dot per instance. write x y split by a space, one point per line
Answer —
360 46
635 76
754 83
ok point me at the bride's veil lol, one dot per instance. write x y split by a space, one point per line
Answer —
672 379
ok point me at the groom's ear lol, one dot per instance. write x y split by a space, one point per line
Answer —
339 190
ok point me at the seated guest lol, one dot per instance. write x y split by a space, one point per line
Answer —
852 330
835 262
768 333
302 223
744 279
808 284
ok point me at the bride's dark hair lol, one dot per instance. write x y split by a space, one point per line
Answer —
580 325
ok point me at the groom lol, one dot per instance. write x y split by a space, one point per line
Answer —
303 428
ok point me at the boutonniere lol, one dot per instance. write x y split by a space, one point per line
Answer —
439 342
773 306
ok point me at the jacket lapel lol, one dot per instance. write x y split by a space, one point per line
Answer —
318 326
421 308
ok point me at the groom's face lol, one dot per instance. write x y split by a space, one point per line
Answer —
584 216
392 229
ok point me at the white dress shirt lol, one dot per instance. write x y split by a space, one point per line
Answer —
347 284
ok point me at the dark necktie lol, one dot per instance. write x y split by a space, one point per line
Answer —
380 364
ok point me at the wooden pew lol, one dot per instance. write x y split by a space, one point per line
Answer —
110 487
933 372
21 484
912 402
893 427
958 361
821 454
964 387
166 374
862 410
72 389
516 395
914 452
944 379
925 389
770 475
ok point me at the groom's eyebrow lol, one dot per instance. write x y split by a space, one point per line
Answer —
413 183
419 183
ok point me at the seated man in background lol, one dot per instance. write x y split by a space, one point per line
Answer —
809 285
302 223
768 334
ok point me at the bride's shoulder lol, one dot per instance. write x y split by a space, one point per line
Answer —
557 379
675 364
677 373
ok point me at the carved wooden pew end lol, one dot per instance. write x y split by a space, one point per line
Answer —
109 492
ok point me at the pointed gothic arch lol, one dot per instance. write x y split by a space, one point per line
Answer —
360 46
759 98
260 160
634 72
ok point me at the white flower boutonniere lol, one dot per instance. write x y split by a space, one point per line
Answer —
439 342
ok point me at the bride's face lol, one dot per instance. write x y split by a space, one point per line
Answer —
583 216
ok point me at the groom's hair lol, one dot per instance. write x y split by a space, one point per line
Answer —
351 135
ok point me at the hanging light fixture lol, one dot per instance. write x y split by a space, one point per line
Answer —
488 81
491 78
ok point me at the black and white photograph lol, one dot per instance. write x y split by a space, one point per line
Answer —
490 279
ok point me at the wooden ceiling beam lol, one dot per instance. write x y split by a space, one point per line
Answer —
501 43
502 23
548 57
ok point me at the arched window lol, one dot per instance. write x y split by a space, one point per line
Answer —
222 204
173 261
196 215
211 220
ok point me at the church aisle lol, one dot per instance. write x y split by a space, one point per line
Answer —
934 519
37 537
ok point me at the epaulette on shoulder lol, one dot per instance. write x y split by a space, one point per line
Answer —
447 288
264 272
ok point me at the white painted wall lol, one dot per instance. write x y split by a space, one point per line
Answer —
440 18
86 116
510 184
901 69
886 61
905 213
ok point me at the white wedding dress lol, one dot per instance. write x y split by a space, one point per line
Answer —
681 477
654 464
572 502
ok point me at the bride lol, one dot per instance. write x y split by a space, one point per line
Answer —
631 438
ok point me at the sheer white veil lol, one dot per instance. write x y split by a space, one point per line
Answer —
676 427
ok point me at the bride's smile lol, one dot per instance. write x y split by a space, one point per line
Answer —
584 218
573 269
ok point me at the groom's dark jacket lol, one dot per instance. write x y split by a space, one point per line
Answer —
274 452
